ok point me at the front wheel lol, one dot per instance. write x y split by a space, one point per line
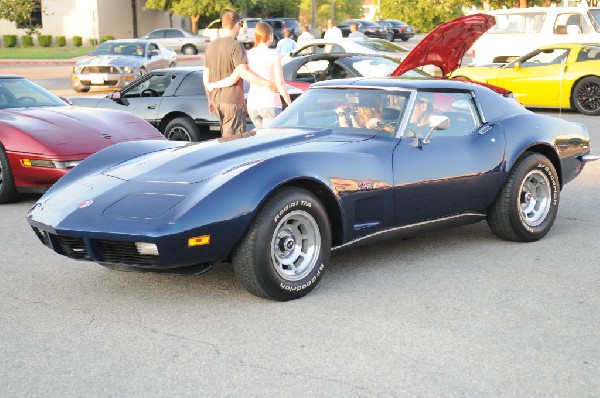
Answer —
586 96
182 129
8 191
286 249
526 207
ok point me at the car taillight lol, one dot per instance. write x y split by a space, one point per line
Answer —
282 25
372 29
402 29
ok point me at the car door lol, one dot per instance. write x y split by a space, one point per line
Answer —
157 57
535 79
457 172
142 98
173 40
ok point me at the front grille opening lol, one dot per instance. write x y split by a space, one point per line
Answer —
70 247
42 235
122 253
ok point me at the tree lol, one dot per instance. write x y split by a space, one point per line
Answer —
19 11
274 8
342 10
424 15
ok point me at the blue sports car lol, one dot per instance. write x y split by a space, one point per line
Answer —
349 161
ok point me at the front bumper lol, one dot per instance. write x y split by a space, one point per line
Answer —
102 79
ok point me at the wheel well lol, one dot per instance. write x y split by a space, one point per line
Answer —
571 103
328 200
551 155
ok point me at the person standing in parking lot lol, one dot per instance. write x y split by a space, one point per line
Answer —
332 32
355 33
286 45
305 37
224 56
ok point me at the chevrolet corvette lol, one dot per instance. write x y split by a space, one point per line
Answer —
435 153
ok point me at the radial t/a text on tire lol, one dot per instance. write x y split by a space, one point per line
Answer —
286 249
526 207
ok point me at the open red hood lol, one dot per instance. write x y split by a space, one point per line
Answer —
447 44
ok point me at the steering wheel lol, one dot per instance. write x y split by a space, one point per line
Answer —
26 99
149 93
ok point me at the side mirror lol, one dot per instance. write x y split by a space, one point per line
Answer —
436 122
517 66
115 96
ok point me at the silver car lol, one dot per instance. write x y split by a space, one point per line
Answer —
179 40
115 63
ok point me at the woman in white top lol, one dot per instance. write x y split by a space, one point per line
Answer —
263 104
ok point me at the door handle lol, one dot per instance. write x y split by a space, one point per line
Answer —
151 106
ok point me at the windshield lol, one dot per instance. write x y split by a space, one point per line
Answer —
21 93
378 67
136 49
527 22
356 110
382 45
595 18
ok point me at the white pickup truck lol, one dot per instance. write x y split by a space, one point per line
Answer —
520 30
246 35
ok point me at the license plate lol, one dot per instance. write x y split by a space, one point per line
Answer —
95 79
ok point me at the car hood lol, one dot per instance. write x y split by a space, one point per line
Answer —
195 162
447 44
111 60
65 130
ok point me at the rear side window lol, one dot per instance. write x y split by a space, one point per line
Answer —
173 33
589 53
191 85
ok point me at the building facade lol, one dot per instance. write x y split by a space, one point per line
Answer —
94 19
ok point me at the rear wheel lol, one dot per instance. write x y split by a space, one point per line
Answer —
8 191
189 49
182 129
286 249
586 96
526 208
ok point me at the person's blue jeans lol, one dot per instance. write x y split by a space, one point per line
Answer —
262 117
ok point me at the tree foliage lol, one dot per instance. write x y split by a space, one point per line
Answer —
19 11
424 15
342 10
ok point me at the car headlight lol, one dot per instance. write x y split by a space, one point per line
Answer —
77 69
128 69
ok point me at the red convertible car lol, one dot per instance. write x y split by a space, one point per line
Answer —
42 137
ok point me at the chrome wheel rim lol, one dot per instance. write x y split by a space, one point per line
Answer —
178 134
588 97
295 246
535 198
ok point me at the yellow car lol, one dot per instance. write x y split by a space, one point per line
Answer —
555 76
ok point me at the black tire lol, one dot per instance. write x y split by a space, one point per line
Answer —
79 87
586 96
8 191
526 207
189 49
390 36
404 38
182 129
292 227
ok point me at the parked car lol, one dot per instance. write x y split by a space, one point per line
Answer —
245 36
302 71
179 40
349 45
310 185
519 31
115 63
173 100
42 137
281 24
557 76
368 28
400 30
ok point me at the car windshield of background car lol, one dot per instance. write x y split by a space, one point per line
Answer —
21 93
317 108
382 46
551 56
518 23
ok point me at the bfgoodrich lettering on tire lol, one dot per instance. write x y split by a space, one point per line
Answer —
526 207
286 249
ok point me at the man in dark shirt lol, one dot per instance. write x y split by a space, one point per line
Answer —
222 57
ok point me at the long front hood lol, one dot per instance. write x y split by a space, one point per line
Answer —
110 60
69 130
195 162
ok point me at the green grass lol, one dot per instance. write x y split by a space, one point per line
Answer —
43 52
